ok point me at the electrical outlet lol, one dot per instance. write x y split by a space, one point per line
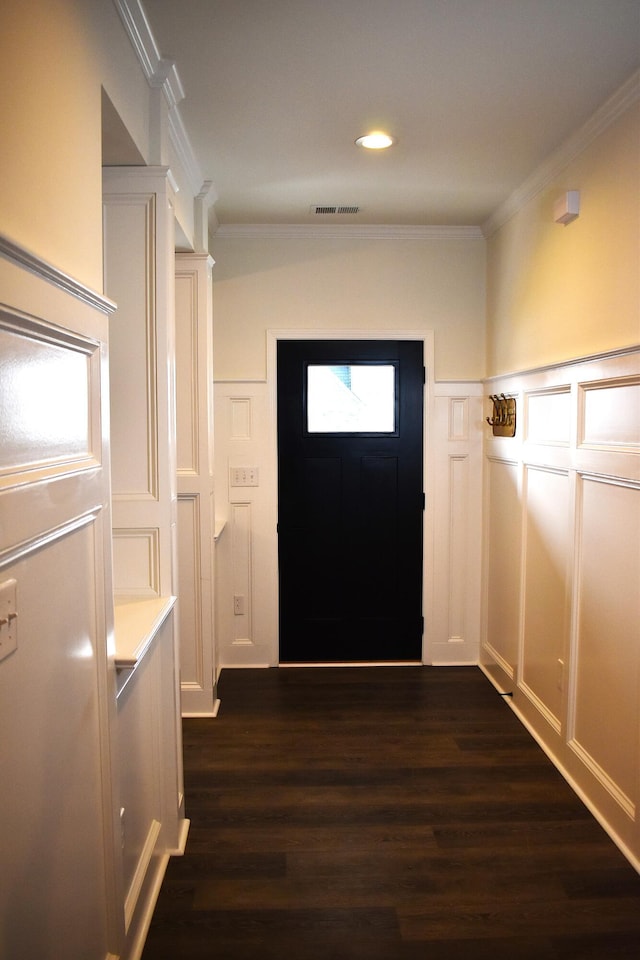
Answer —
8 618
238 606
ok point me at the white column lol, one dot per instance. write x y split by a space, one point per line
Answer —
194 350
139 227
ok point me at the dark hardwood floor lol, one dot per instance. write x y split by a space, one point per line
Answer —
389 813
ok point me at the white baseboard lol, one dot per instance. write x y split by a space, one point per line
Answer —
604 823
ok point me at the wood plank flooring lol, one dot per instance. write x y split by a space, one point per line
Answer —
384 813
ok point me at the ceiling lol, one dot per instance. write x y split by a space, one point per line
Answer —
477 92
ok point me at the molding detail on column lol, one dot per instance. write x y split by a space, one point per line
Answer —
165 77
46 271
203 203
182 145
161 74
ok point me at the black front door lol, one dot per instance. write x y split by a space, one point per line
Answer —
350 500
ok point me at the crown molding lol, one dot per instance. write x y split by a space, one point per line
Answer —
160 73
26 260
181 144
139 32
324 231
610 110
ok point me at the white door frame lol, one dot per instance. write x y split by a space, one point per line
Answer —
427 338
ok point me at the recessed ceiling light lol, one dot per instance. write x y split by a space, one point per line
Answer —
377 140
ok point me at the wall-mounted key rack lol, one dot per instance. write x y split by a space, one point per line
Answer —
503 420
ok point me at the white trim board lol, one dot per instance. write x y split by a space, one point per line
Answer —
348 231
21 257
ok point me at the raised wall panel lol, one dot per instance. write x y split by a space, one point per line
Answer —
187 374
549 416
138 720
136 562
49 397
606 723
548 542
241 535
458 418
452 610
240 416
130 252
458 547
190 592
504 533
151 800
52 804
611 413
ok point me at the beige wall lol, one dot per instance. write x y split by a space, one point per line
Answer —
260 284
559 292
50 176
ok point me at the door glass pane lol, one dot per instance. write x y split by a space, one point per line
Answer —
351 398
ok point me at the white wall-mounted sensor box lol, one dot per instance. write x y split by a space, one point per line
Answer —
567 207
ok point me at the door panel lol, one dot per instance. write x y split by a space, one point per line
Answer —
350 503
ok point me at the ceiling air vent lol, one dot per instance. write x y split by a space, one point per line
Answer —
324 209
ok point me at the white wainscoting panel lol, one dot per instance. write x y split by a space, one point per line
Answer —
610 414
607 644
130 253
60 881
45 395
548 416
458 547
247 549
240 532
151 797
240 417
563 570
458 418
190 583
59 667
138 721
189 338
503 544
452 613
136 562
547 549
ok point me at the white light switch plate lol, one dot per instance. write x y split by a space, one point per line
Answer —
243 476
